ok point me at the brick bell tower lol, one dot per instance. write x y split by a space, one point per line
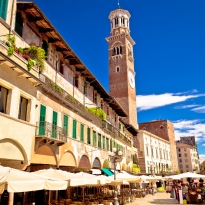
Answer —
121 64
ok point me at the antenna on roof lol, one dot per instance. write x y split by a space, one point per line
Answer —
118 4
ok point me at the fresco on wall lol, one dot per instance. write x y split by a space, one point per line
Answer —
30 37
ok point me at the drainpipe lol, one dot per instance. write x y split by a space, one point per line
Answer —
12 16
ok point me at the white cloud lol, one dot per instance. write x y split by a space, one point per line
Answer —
185 106
190 128
203 145
199 109
146 102
201 157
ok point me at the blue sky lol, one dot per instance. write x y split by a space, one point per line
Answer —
169 54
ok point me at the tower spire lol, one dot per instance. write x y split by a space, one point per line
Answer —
118 4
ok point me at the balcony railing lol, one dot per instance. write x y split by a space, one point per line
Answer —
115 132
46 129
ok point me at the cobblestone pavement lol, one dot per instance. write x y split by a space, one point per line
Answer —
157 199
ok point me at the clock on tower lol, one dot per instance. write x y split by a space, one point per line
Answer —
121 64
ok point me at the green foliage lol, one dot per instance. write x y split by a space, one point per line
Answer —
37 54
98 112
30 64
10 42
10 51
11 39
135 168
20 50
71 98
34 54
56 87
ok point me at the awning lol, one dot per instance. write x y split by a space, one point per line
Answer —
96 171
107 172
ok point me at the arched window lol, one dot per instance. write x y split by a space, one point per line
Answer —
120 49
118 69
116 22
123 21
114 51
19 24
45 47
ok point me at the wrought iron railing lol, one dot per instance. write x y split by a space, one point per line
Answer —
115 132
51 131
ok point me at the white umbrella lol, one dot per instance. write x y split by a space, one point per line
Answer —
126 177
79 179
186 175
20 181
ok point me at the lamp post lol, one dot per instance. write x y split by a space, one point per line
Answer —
64 57
115 157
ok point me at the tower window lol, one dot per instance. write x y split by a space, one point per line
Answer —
118 69
116 22
123 21
117 50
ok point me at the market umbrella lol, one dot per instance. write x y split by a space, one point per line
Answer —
73 179
20 181
186 175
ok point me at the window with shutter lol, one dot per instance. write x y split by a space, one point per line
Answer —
74 129
3 9
42 120
54 124
94 138
82 133
99 140
23 108
88 136
65 124
3 99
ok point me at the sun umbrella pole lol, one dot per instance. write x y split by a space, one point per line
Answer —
11 198
83 194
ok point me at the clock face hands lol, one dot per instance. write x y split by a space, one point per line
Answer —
131 79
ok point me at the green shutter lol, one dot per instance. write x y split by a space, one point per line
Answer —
65 125
54 126
42 119
74 129
103 142
107 144
88 135
99 140
3 8
94 138
82 133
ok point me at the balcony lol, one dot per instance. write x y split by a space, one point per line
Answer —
19 64
48 133
114 132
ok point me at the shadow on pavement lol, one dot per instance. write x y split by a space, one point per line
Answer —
164 201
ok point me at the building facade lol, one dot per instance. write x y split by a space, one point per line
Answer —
202 167
53 111
165 130
187 153
154 153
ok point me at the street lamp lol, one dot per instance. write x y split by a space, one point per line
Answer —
115 157
64 57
